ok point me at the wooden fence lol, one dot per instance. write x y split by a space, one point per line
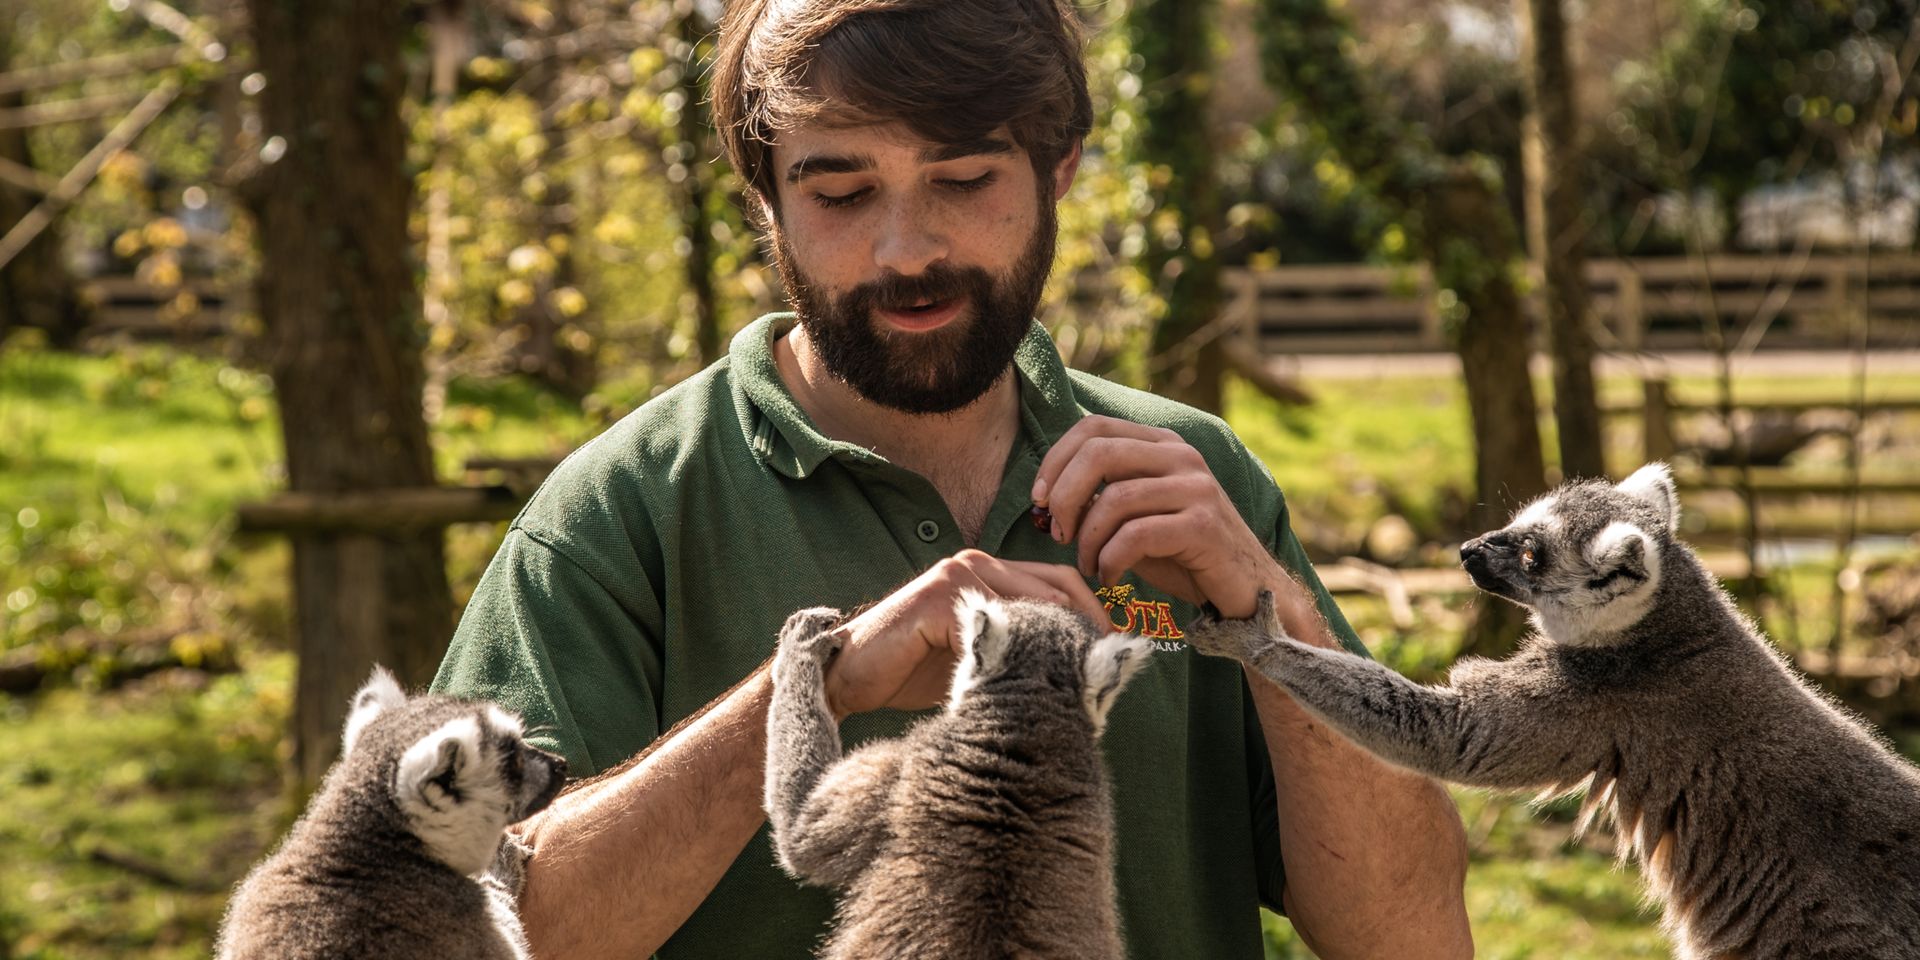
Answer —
1776 302
196 308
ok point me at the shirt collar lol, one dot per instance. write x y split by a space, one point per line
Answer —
782 435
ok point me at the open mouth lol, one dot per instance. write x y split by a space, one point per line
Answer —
922 314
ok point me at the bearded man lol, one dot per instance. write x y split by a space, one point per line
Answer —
882 447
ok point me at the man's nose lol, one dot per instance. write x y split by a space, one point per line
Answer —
910 239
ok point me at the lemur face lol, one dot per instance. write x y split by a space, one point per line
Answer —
460 772
1585 557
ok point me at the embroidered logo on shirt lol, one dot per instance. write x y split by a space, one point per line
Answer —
1149 618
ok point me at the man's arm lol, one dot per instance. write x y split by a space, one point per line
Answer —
619 863
1375 857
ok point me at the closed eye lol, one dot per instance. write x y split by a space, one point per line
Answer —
968 186
832 201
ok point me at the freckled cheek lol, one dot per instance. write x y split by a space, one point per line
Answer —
830 250
996 234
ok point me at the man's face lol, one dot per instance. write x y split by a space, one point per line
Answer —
914 267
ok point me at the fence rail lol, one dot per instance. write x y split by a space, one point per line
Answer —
1668 303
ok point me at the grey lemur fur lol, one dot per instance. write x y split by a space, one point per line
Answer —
985 831
1769 822
384 863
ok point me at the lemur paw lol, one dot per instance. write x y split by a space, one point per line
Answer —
1241 640
809 634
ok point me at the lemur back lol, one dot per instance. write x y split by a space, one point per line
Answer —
1771 823
383 863
985 830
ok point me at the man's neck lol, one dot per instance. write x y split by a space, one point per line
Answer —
961 453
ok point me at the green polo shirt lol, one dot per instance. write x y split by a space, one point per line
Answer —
651 571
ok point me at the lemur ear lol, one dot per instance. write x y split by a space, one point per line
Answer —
438 756
983 631
1653 485
1111 661
380 694
983 641
1622 546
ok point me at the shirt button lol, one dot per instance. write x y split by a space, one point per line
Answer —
928 531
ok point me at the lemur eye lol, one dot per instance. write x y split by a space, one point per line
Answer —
1528 558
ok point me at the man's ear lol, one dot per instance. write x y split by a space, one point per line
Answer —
762 212
1065 170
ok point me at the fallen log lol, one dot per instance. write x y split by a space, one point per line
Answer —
112 661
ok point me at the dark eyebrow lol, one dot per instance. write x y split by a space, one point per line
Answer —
982 146
827 163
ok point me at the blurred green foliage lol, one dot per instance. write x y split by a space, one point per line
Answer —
1757 91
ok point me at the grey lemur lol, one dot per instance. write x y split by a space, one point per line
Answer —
985 831
1769 822
384 863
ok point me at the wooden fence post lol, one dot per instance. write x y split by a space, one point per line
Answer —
1656 420
1630 317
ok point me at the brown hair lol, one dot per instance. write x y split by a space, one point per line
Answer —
950 70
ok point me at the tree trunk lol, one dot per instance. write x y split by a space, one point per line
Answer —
1471 244
1557 227
1173 38
1454 216
696 185
36 288
336 292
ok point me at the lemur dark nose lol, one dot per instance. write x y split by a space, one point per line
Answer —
1472 548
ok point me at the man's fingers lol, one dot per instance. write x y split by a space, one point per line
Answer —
1053 583
1067 448
1102 461
1146 538
1074 587
1127 502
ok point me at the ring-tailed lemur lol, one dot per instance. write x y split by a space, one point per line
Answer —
1770 823
383 864
984 831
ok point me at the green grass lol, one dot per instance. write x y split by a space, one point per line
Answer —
1533 893
128 817
126 814
1364 449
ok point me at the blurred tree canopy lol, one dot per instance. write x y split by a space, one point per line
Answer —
572 222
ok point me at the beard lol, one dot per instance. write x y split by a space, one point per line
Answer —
937 371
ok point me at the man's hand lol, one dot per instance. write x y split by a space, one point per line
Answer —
900 653
1141 498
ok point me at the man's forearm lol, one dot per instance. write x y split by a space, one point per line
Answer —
620 863
1375 856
